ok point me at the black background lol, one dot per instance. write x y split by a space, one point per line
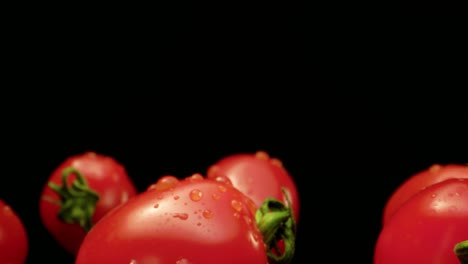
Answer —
351 107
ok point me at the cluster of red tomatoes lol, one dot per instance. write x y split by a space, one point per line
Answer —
425 220
244 210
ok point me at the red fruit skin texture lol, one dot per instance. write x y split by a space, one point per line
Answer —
427 227
417 182
13 236
104 175
194 221
258 176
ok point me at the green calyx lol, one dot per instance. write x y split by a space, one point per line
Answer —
276 223
461 251
77 201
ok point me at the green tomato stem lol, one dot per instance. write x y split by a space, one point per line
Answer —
461 250
276 223
77 201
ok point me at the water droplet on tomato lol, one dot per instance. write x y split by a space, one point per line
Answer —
160 196
156 206
207 214
247 220
236 205
212 171
133 261
198 224
195 177
7 210
166 182
276 162
196 195
221 188
151 187
254 237
262 155
215 196
236 215
433 195
181 216
91 154
223 179
435 168
176 197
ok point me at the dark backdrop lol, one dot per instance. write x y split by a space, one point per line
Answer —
346 105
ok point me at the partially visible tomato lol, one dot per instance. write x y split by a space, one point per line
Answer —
13 236
79 192
259 176
426 228
417 182
194 220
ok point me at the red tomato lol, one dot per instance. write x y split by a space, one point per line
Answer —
194 220
95 184
258 176
13 236
427 227
434 174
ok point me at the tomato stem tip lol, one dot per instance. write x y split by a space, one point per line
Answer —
77 201
276 223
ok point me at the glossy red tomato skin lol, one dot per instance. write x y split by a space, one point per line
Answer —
426 228
13 236
259 176
198 221
104 175
417 182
